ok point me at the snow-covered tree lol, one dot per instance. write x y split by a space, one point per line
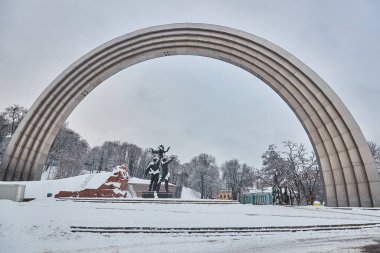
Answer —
9 121
273 164
294 169
303 173
14 114
110 155
132 157
145 158
175 169
375 151
203 175
68 153
237 177
3 127
3 135
93 159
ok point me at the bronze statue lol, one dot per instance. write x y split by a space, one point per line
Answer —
158 166
154 170
165 173
160 151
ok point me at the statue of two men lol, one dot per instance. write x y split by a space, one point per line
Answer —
154 169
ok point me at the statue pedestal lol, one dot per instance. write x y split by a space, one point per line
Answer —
160 195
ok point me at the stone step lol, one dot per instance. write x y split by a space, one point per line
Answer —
140 188
160 195
205 230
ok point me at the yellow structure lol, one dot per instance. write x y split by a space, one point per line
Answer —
225 195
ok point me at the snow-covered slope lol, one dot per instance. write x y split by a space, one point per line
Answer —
40 189
188 193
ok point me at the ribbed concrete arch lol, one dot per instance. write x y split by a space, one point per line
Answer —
349 172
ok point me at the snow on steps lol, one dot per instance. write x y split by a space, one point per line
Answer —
140 188
85 182
219 230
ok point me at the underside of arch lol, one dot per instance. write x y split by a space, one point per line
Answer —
348 168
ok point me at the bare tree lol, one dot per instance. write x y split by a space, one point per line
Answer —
9 121
175 169
375 151
93 159
294 169
144 160
311 179
272 163
203 172
14 114
68 153
237 177
303 174
185 174
111 151
4 138
3 127
57 150
132 157
212 183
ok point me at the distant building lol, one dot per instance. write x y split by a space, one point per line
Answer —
262 198
225 194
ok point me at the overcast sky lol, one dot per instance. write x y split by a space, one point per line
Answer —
196 104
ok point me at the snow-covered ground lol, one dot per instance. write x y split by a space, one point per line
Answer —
44 226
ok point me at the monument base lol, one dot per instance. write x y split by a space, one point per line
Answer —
160 195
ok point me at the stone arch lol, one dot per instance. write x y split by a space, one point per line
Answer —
348 168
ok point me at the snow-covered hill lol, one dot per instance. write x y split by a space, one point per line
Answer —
40 189
188 193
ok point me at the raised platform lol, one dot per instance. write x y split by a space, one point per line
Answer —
140 188
160 195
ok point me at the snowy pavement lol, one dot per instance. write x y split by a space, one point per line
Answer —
43 225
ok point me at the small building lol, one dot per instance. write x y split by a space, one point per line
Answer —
225 194
258 198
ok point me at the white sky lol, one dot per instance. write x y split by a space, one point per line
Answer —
195 104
